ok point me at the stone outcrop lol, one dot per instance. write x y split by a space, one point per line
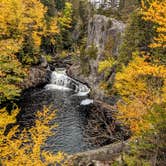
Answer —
101 156
37 76
101 30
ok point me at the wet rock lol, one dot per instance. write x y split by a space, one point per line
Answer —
37 76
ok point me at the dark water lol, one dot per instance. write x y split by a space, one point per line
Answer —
71 118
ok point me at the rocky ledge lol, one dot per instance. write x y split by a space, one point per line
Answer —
103 156
102 32
38 76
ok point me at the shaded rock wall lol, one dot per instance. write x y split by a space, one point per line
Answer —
37 76
100 30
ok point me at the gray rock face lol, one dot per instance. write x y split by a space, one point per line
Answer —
37 76
102 156
101 29
97 32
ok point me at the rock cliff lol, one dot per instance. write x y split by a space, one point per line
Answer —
102 31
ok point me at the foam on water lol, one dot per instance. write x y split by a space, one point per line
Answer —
57 87
61 81
86 102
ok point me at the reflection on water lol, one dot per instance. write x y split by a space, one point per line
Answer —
71 118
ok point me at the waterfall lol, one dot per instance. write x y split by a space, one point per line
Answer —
61 81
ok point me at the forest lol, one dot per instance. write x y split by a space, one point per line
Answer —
82 82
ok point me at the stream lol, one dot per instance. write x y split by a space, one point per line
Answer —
70 98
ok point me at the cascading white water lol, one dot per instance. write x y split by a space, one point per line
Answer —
71 116
60 80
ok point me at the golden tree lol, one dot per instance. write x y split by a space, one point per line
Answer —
66 17
25 148
141 84
155 12
22 23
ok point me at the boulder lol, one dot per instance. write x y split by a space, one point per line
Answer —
37 76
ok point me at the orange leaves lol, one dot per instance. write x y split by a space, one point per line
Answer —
156 13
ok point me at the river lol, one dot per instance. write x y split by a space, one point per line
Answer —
70 98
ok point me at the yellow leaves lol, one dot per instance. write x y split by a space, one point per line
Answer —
26 149
36 39
103 85
22 23
65 19
50 158
132 114
33 15
11 71
7 118
103 65
20 18
53 26
33 20
135 86
128 79
139 67
9 20
52 30
156 13
65 22
9 46
23 18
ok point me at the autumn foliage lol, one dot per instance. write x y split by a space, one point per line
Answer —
141 84
25 148
155 12
22 26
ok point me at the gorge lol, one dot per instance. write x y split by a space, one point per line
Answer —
70 92
82 82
